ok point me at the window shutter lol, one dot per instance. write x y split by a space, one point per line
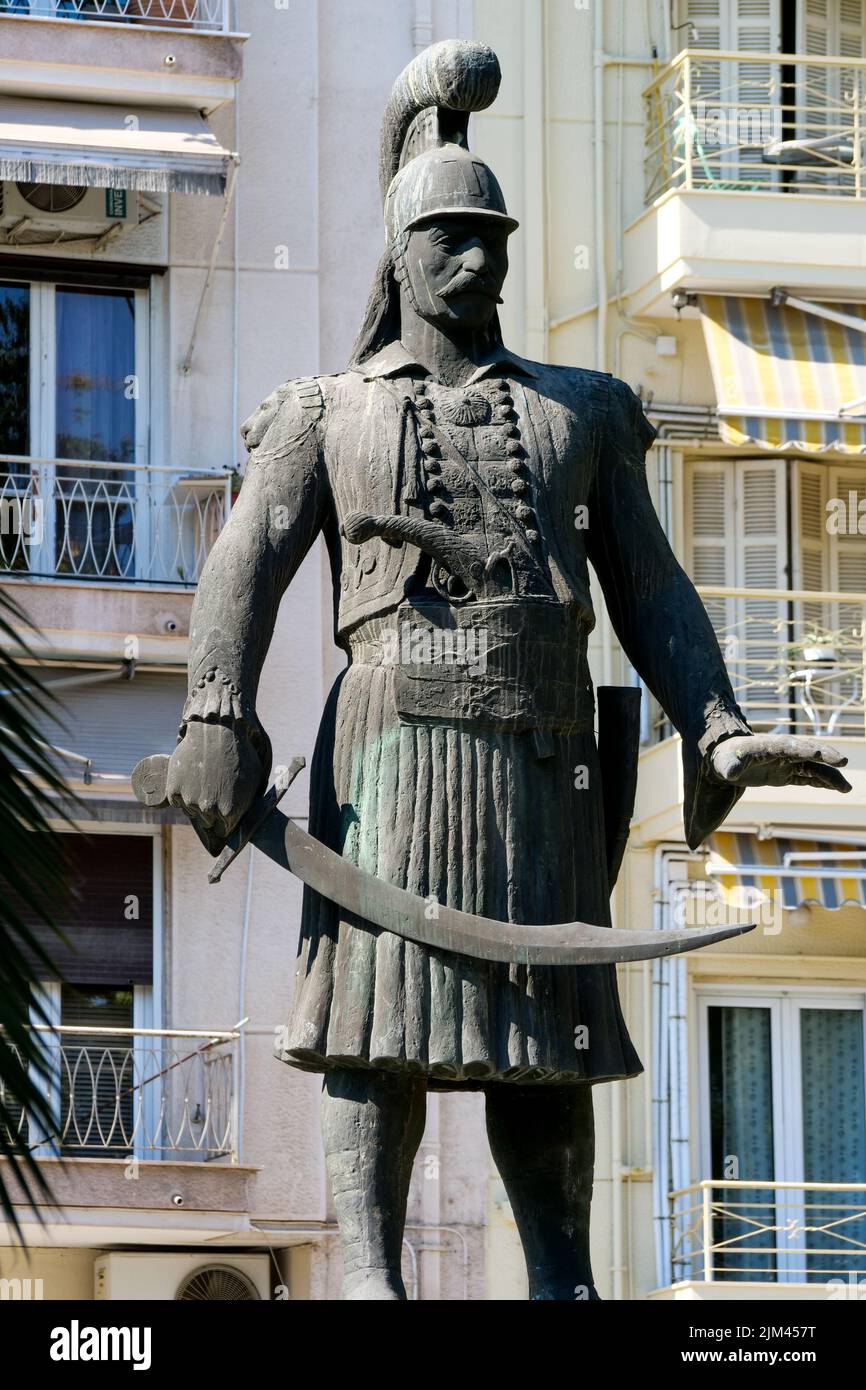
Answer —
706 16
809 538
829 28
762 564
117 723
848 552
710 530
107 915
749 26
757 29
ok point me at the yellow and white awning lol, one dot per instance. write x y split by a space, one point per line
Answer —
786 379
748 870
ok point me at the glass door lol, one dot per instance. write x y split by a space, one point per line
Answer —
95 407
74 495
783 1099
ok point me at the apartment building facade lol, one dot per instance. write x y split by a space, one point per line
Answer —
190 216
689 182
688 179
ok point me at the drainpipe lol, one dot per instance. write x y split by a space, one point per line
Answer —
598 64
431 1198
534 183
242 993
670 1102
236 314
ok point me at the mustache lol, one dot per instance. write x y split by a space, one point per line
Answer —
466 281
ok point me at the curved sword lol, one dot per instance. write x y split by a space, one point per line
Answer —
384 905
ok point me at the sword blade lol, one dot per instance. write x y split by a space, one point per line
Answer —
404 913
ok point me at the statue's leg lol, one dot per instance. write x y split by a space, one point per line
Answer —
372 1123
543 1143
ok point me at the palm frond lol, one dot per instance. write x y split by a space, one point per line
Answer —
33 877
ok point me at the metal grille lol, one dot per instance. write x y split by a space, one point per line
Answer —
177 14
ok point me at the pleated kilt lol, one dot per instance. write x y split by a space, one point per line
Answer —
475 820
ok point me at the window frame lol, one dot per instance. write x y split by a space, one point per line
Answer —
785 1003
41 456
148 1000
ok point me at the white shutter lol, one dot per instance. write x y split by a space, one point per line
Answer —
710 531
706 17
848 551
810 542
761 523
750 26
757 29
737 529
814 22
829 29
851 44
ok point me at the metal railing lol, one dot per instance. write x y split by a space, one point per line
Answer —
210 15
755 123
771 1232
137 1093
63 519
796 659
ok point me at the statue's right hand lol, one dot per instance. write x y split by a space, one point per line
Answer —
214 775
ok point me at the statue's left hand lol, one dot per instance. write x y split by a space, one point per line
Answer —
779 760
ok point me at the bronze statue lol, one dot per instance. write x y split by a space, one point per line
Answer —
462 492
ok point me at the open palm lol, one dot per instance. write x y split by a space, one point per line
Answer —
779 760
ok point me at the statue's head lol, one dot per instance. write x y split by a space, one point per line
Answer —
446 224
447 229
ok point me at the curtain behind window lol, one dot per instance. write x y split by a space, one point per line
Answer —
741 1120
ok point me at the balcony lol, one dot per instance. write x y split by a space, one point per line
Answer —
178 53
731 138
735 1240
145 1146
146 1094
210 15
64 520
797 661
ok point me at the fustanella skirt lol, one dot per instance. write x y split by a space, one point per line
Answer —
479 821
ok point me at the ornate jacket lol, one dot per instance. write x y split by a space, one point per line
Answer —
495 497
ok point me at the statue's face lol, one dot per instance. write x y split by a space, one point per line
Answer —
457 267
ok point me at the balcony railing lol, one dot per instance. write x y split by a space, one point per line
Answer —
756 123
795 658
62 519
149 1094
770 1232
210 15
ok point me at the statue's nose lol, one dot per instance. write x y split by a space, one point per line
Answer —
474 260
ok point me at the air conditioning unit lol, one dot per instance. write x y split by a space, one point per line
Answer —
201 1278
55 207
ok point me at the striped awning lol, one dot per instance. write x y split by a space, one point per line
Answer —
786 379
748 870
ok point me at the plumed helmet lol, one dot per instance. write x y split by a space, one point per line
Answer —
425 167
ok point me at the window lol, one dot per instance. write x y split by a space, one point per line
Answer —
105 1089
97 1073
783 1098
73 429
764 524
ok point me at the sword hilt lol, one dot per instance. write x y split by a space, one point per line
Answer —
256 817
149 778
